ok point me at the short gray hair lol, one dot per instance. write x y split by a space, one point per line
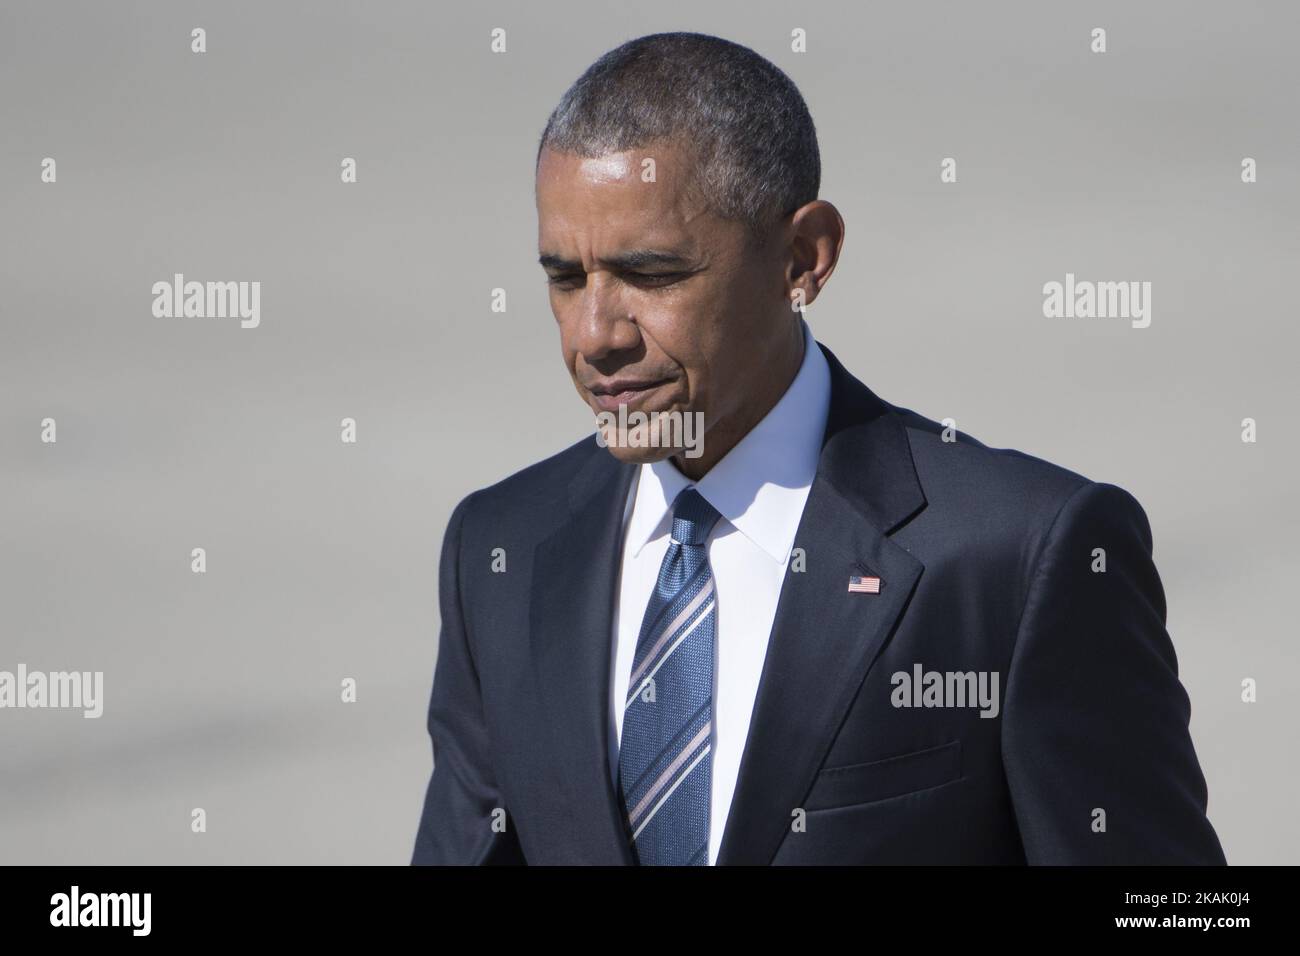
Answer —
745 120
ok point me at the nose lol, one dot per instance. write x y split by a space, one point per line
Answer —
600 323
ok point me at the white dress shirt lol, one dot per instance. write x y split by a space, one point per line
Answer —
759 488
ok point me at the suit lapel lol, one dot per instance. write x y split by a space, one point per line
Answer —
825 639
823 642
575 571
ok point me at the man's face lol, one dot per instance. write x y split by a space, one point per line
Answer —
662 305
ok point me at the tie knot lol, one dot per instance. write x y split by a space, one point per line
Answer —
693 517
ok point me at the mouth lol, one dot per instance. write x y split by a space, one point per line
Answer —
611 393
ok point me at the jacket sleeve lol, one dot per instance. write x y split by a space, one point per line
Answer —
462 801
1095 720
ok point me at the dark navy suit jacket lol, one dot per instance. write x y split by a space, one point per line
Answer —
986 560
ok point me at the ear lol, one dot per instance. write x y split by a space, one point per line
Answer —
816 236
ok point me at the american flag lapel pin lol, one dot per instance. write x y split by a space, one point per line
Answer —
866 584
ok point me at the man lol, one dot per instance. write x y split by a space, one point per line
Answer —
822 634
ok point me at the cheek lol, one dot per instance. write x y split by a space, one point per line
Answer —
567 351
692 341
722 343
563 312
560 307
572 358
670 329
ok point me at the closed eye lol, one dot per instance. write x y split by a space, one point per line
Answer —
655 279
565 281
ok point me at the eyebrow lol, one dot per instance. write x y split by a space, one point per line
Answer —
632 259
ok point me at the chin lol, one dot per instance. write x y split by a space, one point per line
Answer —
636 444
629 454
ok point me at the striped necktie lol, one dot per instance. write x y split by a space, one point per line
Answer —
663 760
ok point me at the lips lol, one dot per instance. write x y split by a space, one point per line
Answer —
610 394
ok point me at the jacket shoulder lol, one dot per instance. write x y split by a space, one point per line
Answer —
543 484
1005 492
998 510
947 457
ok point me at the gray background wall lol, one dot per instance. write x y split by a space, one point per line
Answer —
222 689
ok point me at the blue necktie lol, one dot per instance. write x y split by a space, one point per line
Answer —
663 760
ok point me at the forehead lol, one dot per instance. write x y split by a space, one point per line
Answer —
637 196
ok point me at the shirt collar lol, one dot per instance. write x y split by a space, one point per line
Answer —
761 485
